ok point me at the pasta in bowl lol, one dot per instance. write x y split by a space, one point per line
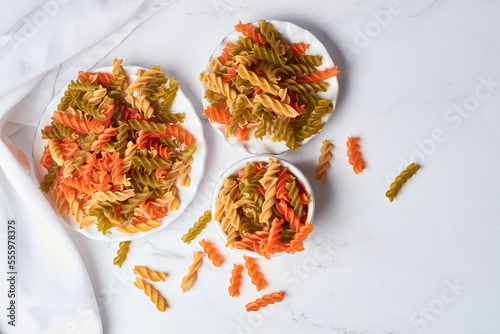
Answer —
269 87
117 152
263 206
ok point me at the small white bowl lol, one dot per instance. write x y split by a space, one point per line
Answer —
293 34
232 171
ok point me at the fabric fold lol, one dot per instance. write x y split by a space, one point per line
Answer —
53 292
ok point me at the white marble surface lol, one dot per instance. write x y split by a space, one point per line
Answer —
413 88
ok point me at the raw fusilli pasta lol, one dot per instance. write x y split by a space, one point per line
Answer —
324 159
192 274
355 158
156 298
121 254
277 81
260 206
109 144
400 180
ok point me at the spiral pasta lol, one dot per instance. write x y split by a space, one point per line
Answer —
324 159
198 227
215 83
235 280
152 275
269 181
192 274
355 158
212 253
254 272
257 70
278 107
149 290
400 180
265 300
121 254
114 144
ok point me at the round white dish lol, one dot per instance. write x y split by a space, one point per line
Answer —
232 171
293 34
192 123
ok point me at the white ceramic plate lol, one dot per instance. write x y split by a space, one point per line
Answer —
232 171
293 34
191 123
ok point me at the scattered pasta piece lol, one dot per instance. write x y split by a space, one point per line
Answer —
265 300
355 158
400 180
253 271
121 254
324 159
192 274
156 298
198 226
152 275
212 253
235 280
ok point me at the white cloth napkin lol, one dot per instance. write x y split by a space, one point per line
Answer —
53 292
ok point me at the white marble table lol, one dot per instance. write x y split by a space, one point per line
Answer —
420 81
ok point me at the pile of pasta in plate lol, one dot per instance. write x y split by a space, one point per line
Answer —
265 85
115 150
264 209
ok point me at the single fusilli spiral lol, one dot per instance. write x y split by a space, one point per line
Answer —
269 181
257 81
140 227
355 158
274 235
231 217
214 83
271 298
192 274
308 87
246 60
253 270
81 86
198 227
212 253
152 275
289 214
324 159
296 244
235 280
278 107
55 151
400 180
113 195
295 202
154 295
121 254
221 199
232 236
185 180
79 126
103 138
150 163
311 60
